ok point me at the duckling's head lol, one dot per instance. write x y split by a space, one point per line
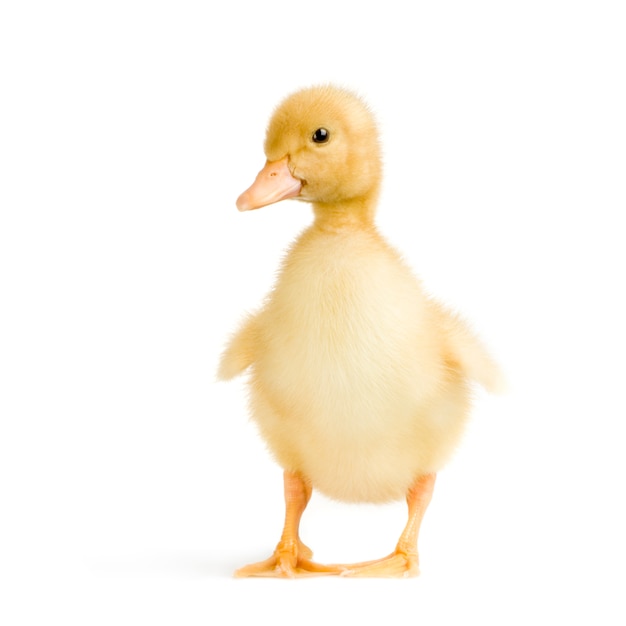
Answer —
321 147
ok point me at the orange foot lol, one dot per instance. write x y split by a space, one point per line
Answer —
398 564
290 560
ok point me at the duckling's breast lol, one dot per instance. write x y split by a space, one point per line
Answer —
348 382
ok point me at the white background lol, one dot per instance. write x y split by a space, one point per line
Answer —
132 484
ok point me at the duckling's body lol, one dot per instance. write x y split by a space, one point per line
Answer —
350 385
359 382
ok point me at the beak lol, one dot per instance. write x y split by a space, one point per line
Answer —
273 183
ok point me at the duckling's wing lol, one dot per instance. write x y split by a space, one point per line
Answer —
467 352
241 351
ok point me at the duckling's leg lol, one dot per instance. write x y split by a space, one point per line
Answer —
291 557
403 561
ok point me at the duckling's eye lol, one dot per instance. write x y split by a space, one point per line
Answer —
321 135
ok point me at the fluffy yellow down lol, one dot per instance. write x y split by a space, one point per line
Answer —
358 380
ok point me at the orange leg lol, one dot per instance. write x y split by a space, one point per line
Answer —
403 561
291 557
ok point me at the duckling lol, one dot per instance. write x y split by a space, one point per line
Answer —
359 382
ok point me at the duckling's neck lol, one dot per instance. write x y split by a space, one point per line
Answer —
353 214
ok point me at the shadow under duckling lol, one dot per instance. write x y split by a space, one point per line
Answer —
359 382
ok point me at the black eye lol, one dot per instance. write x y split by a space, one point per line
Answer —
321 135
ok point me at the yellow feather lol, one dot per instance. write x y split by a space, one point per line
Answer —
358 380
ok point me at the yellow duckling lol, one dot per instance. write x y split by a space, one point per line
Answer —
359 382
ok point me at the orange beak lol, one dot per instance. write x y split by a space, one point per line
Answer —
273 183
